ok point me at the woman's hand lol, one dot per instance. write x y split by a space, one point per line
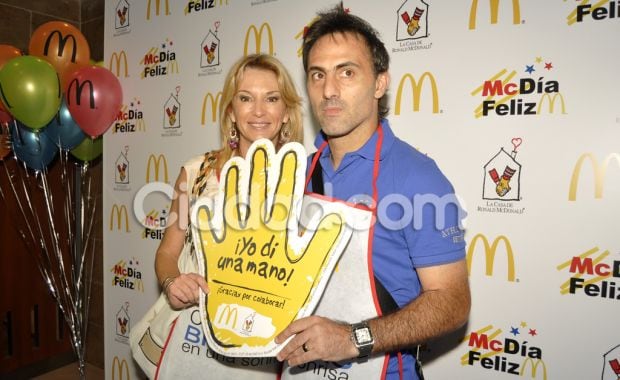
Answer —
184 290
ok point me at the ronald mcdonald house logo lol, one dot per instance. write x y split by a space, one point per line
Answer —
127 275
122 324
172 115
501 182
589 11
129 119
412 26
594 273
121 171
611 364
210 52
197 6
121 18
159 61
513 351
530 90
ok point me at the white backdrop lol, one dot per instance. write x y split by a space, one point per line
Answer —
530 85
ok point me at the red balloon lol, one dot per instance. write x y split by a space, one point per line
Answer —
7 52
5 117
93 97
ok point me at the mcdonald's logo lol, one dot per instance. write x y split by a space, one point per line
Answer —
416 91
599 170
62 41
230 313
78 92
120 212
157 8
141 125
534 363
490 251
173 67
120 369
116 58
157 164
494 10
214 102
551 100
258 38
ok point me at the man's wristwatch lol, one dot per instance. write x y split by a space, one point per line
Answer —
362 338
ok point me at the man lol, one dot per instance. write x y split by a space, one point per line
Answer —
419 257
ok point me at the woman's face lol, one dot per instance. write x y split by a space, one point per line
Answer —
257 108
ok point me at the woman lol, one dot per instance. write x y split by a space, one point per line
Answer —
259 100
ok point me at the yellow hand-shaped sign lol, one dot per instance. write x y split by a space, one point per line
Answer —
262 274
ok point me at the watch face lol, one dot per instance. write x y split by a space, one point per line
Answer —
363 335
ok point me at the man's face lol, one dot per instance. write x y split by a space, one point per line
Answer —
342 86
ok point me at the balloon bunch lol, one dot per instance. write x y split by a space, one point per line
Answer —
54 102
54 90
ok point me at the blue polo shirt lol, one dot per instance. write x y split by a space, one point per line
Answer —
417 214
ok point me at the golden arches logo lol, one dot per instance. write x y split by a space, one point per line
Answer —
120 369
258 38
494 10
120 212
416 91
116 58
173 67
157 8
534 363
157 163
230 313
214 101
551 100
599 170
490 250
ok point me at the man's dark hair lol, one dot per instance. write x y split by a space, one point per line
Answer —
338 20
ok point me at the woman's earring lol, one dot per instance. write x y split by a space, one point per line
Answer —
233 138
285 134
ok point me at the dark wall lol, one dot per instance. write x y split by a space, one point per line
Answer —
18 19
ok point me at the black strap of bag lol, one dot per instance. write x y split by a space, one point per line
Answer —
386 301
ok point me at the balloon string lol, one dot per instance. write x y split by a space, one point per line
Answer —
67 296
27 234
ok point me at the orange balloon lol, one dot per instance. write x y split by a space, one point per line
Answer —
7 52
62 45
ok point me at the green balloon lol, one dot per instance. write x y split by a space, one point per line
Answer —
30 90
88 149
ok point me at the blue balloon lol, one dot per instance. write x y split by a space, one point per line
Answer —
63 130
35 149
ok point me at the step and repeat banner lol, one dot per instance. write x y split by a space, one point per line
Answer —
517 101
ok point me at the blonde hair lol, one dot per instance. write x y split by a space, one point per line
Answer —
287 89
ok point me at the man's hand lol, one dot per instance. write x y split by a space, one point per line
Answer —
316 338
261 274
